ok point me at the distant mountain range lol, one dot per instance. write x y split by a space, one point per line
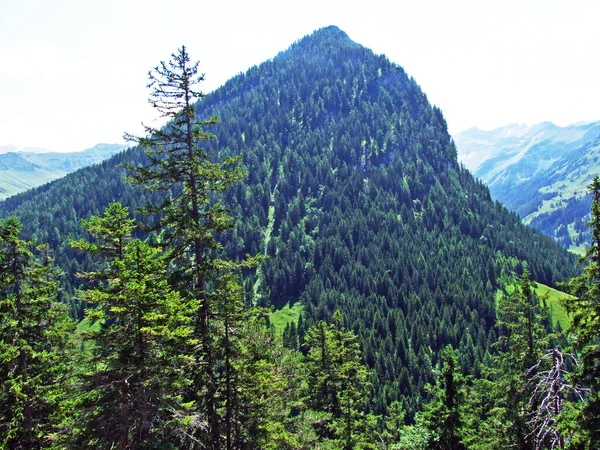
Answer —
539 171
22 169
15 149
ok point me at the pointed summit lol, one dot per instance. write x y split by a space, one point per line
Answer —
330 37
330 34
322 41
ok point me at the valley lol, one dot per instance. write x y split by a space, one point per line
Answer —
541 172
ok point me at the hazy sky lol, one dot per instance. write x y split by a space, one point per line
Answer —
73 72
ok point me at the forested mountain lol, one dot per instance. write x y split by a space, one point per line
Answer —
355 194
547 165
25 169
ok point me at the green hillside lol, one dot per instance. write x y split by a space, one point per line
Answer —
553 303
554 298
284 316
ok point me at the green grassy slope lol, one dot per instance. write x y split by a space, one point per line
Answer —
553 303
281 317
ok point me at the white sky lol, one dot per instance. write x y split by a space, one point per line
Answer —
73 72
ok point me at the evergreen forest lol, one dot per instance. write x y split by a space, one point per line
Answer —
142 299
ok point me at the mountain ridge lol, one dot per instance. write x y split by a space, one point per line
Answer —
550 167
22 169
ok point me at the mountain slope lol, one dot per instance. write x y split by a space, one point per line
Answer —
541 172
355 194
22 170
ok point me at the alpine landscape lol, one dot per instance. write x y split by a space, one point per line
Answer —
303 258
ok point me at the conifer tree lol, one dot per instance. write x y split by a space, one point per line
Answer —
112 233
522 341
336 377
190 218
133 386
34 333
253 396
228 332
523 337
500 404
584 310
442 415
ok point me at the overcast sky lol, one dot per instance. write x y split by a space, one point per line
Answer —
73 72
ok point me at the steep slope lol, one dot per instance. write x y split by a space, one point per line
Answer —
548 166
355 194
22 170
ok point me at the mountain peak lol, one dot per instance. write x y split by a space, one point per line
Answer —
330 36
329 32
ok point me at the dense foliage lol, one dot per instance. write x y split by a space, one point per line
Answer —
355 196
585 310
135 370
34 345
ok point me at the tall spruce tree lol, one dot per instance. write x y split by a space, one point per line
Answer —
584 310
34 337
190 218
442 415
336 379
